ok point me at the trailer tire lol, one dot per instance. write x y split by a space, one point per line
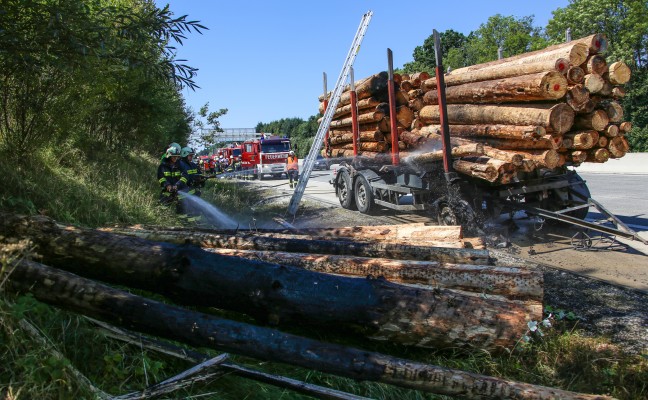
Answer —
578 192
363 195
457 213
344 191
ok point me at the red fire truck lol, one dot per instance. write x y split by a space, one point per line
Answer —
265 156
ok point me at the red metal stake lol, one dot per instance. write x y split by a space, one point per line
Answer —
392 108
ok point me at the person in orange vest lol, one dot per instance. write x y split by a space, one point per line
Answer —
292 168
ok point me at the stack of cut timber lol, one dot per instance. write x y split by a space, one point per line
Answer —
543 109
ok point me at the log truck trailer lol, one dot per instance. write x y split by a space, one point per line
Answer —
363 184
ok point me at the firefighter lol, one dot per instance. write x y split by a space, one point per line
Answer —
190 171
170 177
292 168
175 146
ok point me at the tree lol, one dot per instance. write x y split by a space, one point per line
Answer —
512 35
207 131
95 57
625 23
424 56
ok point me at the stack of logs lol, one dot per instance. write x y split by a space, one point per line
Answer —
543 109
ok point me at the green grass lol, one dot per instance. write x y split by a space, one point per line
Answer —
122 189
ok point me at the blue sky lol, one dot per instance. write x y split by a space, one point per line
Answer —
263 60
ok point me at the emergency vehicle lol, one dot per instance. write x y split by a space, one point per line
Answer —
265 156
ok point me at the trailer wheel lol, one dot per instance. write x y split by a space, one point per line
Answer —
344 191
363 195
457 213
578 193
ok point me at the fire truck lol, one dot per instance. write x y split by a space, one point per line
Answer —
265 156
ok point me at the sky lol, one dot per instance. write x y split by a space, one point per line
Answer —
263 60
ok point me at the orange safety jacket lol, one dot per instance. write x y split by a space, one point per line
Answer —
292 163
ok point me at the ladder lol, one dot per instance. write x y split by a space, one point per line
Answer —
309 161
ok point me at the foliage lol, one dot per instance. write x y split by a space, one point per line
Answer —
625 23
301 133
452 43
207 125
108 61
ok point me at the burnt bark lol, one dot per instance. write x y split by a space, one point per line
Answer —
126 310
282 294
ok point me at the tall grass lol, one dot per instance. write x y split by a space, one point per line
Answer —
103 189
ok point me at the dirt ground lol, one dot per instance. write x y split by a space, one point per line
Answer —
606 286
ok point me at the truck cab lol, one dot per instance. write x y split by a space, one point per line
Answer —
266 156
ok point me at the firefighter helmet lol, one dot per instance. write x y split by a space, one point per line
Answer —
177 146
173 152
292 153
186 151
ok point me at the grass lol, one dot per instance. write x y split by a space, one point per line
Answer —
101 190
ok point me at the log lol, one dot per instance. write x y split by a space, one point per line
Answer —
378 147
369 136
577 97
279 293
466 150
607 88
582 140
593 82
413 231
545 142
477 170
555 117
618 92
365 88
595 64
596 43
371 116
602 141
625 127
611 131
596 120
421 76
578 156
619 73
544 158
540 86
343 153
598 155
560 65
363 104
495 131
513 282
197 329
613 109
504 155
575 75
573 51
616 147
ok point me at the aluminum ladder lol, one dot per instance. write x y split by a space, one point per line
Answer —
309 161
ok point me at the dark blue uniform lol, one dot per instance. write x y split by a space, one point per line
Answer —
170 174
192 173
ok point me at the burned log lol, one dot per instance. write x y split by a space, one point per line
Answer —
282 294
197 329
496 131
519 283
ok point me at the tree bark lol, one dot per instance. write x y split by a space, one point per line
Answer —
371 116
378 147
202 330
573 51
495 131
560 65
482 171
543 143
369 136
512 282
466 150
555 117
541 86
283 294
